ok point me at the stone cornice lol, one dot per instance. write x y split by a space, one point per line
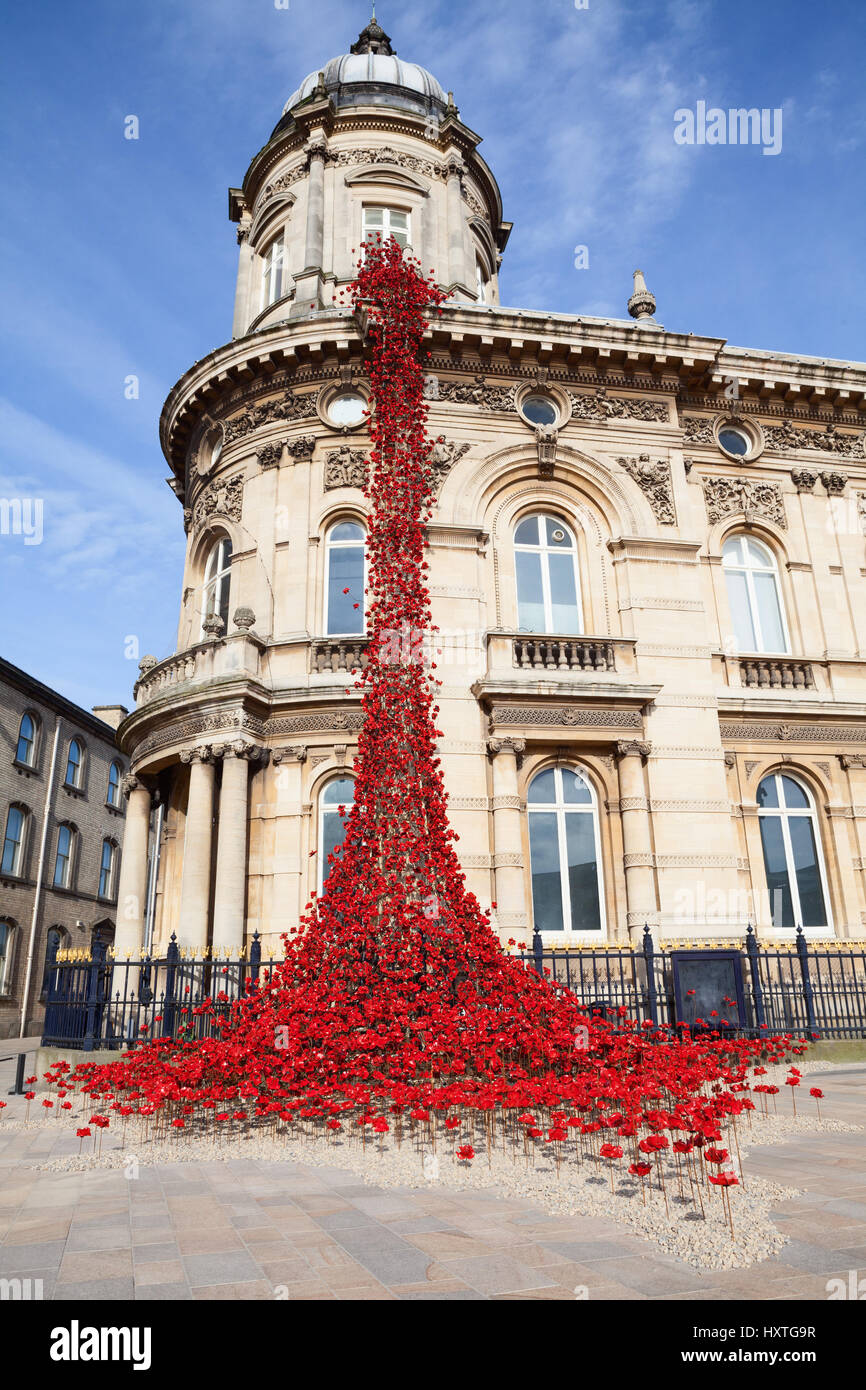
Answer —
512 346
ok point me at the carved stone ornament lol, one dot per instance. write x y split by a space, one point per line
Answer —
345 467
288 754
727 496
269 455
202 754
443 456
698 430
243 618
600 406
223 498
289 406
804 479
545 442
387 155
633 748
239 748
782 439
653 477
146 664
835 483
214 626
517 746
480 394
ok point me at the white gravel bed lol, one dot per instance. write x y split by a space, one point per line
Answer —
581 1188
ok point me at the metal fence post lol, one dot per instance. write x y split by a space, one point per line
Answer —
808 999
649 958
255 957
755 970
538 951
169 1009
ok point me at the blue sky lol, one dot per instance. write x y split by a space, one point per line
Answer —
118 259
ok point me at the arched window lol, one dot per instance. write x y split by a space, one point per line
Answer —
217 582
564 853
67 836
113 794
273 264
106 869
6 933
548 589
14 840
753 594
344 579
74 763
25 753
340 791
385 223
480 283
794 865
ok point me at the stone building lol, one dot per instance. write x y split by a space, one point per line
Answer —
62 815
647 567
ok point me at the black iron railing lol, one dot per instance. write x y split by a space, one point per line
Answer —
748 989
751 989
103 1003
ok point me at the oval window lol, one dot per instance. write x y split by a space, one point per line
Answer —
347 409
539 410
734 441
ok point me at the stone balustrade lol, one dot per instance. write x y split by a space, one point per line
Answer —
776 673
338 654
564 653
224 658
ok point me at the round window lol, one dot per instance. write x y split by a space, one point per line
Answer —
734 441
347 409
539 410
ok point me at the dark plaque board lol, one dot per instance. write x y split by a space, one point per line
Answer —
704 982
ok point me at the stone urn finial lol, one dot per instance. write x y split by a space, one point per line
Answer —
642 304
147 663
213 626
243 619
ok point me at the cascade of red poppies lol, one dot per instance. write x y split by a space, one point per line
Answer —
395 992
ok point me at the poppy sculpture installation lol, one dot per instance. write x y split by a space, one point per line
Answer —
396 1009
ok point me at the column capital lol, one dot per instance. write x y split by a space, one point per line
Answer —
316 147
131 783
202 754
849 760
517 746
632 748
289 754
240 748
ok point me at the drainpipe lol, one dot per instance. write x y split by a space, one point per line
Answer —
37 899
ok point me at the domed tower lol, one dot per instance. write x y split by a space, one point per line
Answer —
244 736
368 145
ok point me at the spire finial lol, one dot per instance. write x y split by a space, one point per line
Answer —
373 39
642 304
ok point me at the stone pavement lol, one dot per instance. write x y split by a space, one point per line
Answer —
253 1230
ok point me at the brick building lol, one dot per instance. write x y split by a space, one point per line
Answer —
62 815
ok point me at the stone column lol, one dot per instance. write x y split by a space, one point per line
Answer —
231 858
636 839
457 272
244 309
508 864
197 849
308 284
132 882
